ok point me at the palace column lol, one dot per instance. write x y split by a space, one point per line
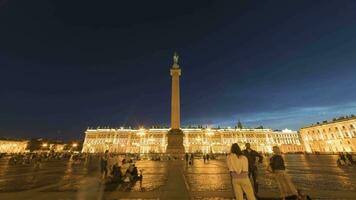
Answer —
175 101
175 134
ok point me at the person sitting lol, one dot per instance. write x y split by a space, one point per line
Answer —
131 174
350 158
134 173
340 162
116 174
303 196
124 166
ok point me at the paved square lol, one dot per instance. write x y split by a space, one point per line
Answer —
316 175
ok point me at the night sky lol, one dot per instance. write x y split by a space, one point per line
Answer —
69 65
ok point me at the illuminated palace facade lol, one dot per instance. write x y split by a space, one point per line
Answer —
195 140
177 140
338 135
13 146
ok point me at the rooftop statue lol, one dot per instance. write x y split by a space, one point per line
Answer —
175 58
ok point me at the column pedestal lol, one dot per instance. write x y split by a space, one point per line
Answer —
175 145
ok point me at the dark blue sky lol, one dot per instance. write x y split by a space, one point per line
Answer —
67 65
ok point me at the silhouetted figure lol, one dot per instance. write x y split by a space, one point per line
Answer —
192 159
349 158
285 185
342 161
252 155
104 164
342 157
134 173
186 158
116 173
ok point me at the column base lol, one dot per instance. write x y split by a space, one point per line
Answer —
175 145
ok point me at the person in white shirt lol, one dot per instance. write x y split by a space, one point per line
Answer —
238 168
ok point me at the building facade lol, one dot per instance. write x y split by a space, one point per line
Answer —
178 140
13 146
196 140
330 137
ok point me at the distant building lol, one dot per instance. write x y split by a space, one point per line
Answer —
202 140
58 146
13 146
338 135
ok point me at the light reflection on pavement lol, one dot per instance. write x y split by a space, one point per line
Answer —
315 174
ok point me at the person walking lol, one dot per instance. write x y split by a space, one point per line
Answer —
104 164
192 158
252 155
204 158
237 164
186 159
285 185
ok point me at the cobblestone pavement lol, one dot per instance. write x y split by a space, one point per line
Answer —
317 175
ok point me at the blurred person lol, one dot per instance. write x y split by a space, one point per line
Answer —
186 158
116 174
349 158
192 159
104 164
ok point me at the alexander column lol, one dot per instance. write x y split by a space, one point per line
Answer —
175 134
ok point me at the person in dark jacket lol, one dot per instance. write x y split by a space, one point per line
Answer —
252 156
284 182
116 173
186 158
349 158
104 164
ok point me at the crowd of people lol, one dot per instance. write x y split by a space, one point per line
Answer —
242 165
345 159
122 169
38 157
243 169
